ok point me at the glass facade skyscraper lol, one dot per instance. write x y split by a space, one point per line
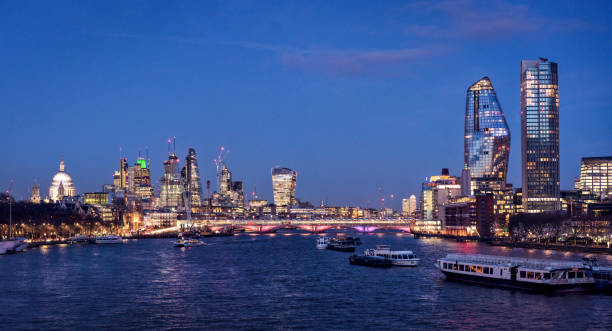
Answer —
540 136
191 178
283 183
171 191
487 138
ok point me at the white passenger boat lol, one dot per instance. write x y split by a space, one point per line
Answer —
110 239
517 272
322 242
398 258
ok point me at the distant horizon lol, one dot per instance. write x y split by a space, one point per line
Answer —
369 101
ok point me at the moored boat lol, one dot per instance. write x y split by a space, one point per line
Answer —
516 272
370 261
322 242
188 243
109 239
398 258
11 246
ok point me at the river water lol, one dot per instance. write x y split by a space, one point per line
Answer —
273 281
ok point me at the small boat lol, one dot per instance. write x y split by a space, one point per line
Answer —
110 239
188 243
398 258
370 261
516 272
341 246
322 242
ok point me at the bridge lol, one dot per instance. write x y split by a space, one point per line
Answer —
311 225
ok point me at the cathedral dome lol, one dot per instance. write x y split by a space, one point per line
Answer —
61 185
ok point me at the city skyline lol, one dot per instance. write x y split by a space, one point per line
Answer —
334 111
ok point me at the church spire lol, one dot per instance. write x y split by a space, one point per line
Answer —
62 166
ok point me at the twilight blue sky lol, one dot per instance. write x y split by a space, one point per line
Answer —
354 95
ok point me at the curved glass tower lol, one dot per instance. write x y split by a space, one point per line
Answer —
487 138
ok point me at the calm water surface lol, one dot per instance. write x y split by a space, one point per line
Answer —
276 281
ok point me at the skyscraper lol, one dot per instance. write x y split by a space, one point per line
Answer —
140 179
540 135
191 178
487 139
283 184
171 191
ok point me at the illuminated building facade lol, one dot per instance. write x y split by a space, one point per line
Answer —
96 198
61 185
35 196
283 183
409 205
487 138
171 190
140 180
123 173
540 136
191 178
436 192
596 177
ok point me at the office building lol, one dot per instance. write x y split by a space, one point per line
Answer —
596 177
283 184
191 178
171 190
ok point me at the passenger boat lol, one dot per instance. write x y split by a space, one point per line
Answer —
322 242
601 274
516 272
110 239
398 258
370 261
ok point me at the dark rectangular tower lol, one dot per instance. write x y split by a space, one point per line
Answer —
540 136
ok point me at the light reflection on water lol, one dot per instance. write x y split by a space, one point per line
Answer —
267 281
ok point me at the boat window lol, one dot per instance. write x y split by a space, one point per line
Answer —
523 274
444 265
406 257
547 275
485 270
571 275
579 274
538 276
530 275
491 271
501 272
461 267
454 267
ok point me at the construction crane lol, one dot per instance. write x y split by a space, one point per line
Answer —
219 163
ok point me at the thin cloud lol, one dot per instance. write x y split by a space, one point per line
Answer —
359 62
478 19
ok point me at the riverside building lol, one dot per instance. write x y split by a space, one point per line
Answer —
540 136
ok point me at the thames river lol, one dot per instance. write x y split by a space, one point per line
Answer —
273 281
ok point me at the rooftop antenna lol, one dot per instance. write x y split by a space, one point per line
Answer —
147 153
174 145
168 147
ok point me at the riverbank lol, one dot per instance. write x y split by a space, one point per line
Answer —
528 245
557 247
